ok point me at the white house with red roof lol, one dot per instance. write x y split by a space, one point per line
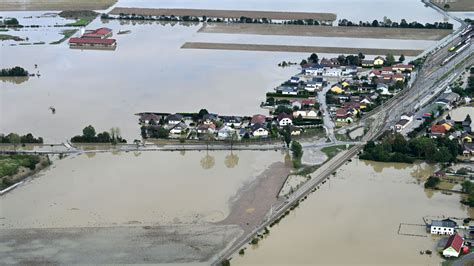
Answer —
453 246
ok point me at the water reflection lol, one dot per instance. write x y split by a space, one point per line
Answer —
14 80
231 160
208 161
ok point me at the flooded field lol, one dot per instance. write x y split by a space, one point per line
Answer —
355 218
148 188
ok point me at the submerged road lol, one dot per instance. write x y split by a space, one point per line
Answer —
429 81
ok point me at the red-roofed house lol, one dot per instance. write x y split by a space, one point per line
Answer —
437 130
257 119
402 67
100 33
285 119
92 43
453 246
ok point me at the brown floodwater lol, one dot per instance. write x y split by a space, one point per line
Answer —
147 188
354 218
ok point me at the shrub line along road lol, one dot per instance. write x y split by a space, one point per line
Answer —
431 78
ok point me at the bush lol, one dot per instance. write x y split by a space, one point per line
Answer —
241 252
432 182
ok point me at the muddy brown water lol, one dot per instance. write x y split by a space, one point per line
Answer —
148 188
354 218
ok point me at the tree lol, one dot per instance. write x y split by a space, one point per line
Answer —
303 62
313 58
14 139
389 60
286 133
468 118
202 112
88 132
401 58
296 149
361 56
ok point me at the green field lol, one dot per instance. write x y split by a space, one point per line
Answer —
82 22
67 34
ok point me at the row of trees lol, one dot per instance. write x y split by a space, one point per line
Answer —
395 148
13 72
14 138
387 23
353 60
89 135
469 90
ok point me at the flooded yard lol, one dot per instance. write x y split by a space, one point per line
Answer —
355 218
148 188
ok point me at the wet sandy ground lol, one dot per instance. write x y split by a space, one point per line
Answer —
326 31
115 245
254 200
297 49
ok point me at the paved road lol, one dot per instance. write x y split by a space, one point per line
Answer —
466 260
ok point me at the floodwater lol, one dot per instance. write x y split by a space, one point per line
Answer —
148 188
460 113
149 72
355 218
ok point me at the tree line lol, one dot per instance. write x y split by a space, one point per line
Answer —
387 23
13 72
14 138
395 148
89 135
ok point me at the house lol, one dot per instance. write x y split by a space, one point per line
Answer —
286 90
314 84
448 98
379 61
92 43
226 132
437 130
174 119
407 116
398 77
344 115
337 88
148 118
383 88
349 70
206 128
100 33
402 67
257 119
209 118
375 73
306 114
315 70
232 121
443 227
468 148
386 71
294 79
179 128
367 63
401 125
453 246
259 130
332 72
466 137
284 119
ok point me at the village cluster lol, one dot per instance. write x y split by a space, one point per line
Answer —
353 86
206 126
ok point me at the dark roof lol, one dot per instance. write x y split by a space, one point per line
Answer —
209 117
284 115
454 241
175 117
91 41
403 122
231 119
257 126
444 223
